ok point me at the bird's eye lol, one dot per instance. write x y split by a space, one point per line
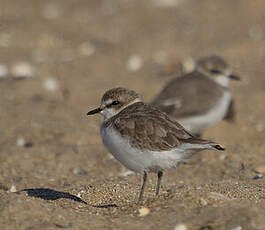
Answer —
215 71
115 103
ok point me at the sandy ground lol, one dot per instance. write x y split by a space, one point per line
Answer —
57 58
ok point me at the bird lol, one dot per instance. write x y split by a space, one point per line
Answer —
144 138
201 98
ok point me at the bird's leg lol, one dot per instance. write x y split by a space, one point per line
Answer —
197 135
143 186
159 178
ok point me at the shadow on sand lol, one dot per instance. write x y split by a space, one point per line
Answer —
49 194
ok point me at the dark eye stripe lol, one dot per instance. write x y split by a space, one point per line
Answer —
215 71
115 102
112 104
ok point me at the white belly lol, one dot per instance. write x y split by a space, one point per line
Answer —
196 124
137 160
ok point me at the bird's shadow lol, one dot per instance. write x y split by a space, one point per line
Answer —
49 194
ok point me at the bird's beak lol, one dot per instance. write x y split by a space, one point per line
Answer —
94 111
234 77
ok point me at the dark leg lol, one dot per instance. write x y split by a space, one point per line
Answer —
198 135
142 189
159 178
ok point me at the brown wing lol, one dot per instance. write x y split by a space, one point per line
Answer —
194 92
145 126
230 114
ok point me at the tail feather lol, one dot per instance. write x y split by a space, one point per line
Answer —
205 144
219 147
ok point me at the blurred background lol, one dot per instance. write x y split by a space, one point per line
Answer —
57 58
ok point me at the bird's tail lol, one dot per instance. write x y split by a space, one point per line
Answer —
205 144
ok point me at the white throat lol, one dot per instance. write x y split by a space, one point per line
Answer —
110 112
222 80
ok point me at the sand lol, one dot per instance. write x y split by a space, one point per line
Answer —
57 58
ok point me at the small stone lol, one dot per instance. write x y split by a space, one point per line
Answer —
3 71
86 49
167 3
180 227
80 193
20 141
203 202
134 63
13 188
188 65
237 228
51 84
78 171
144 211
126 173
260 169
216 195
222 157
22 70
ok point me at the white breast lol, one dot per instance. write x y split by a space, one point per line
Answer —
196 124
145 160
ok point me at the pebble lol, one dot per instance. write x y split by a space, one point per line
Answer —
144 211
20 142
80 193
134 63
51 84
188 64
260 169
237 228
260 127
77 171
22 70
216 195
126 173
3 71
203 202
86 49
167 3
13 188
222 157
180 227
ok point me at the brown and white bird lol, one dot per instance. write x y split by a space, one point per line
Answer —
143 138
201 98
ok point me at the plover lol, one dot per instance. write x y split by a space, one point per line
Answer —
143 138
201 98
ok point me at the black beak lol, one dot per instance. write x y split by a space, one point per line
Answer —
234 77
94 111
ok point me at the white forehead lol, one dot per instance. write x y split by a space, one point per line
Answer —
107 102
